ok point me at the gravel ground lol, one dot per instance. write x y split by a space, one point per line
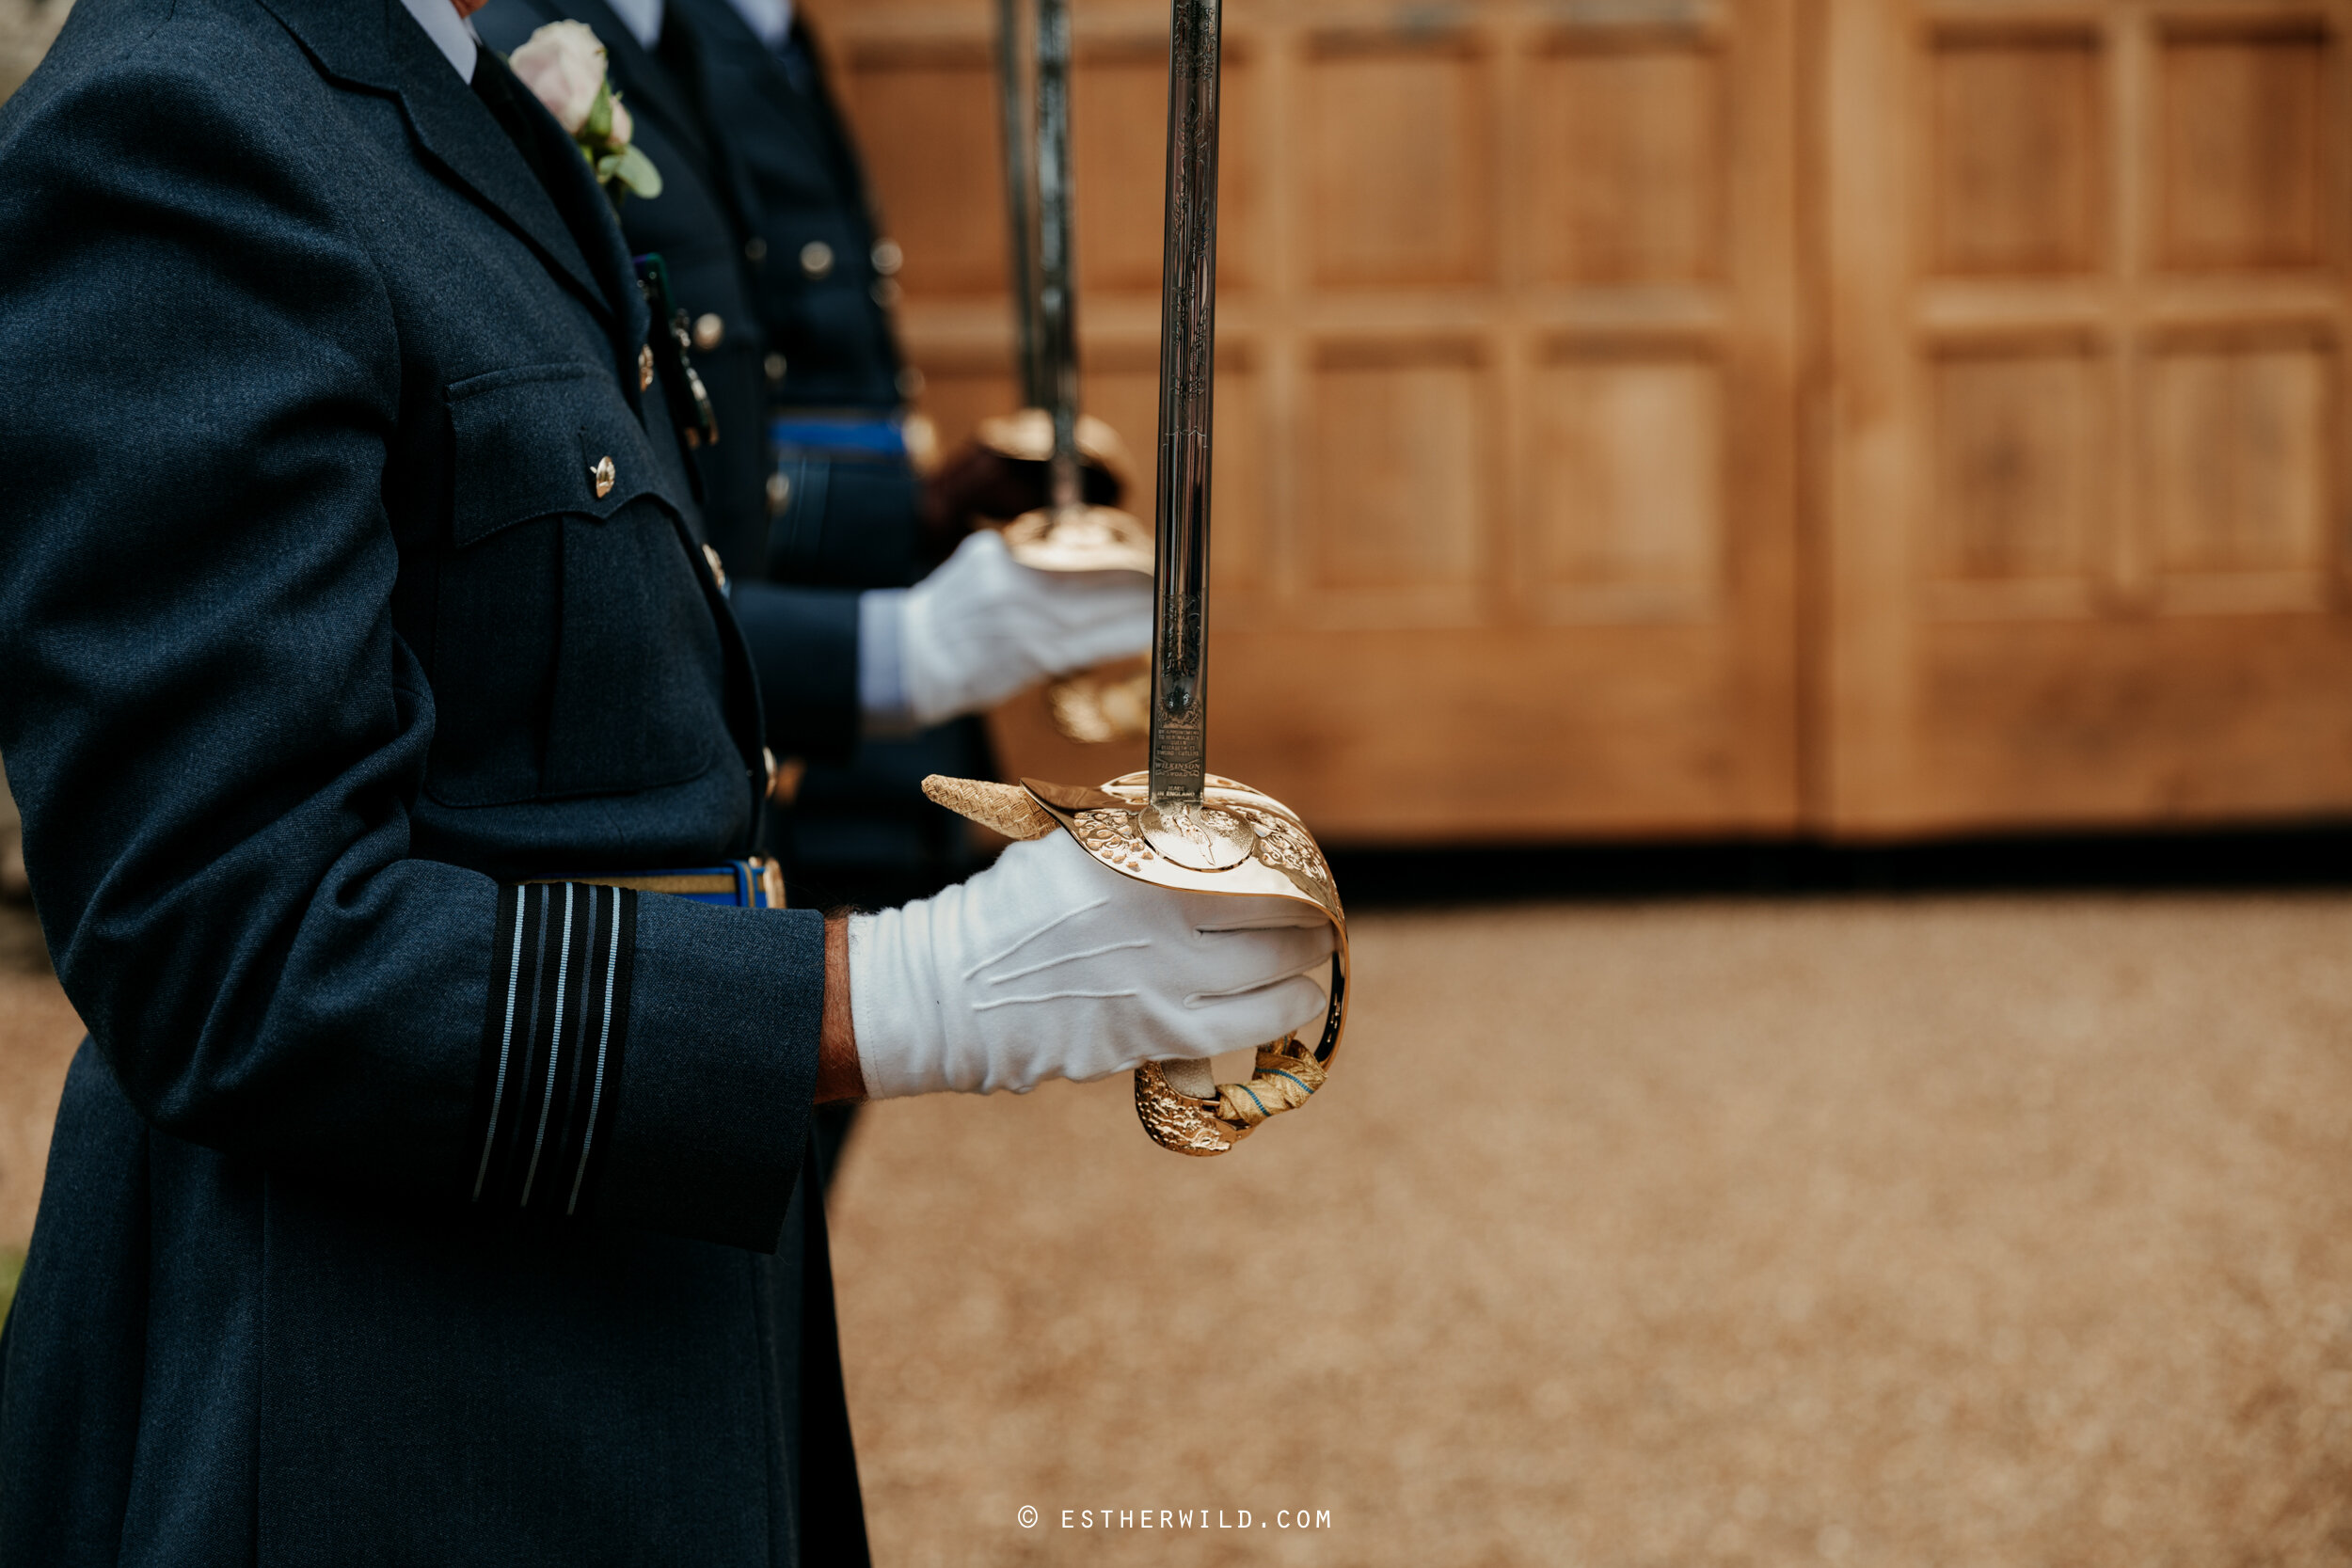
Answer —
1959 1231
1962 1231
38 1035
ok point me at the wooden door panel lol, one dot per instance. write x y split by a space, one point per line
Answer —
1629 468
2018 432
1117 93
1507 359
1622 731
1631 137
2017 182
1393 523
2238 456
927 106
2082 548
1396 161
1123 387
2088 722
2246 122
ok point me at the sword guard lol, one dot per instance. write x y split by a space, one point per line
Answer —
1281 860
1080 539
1027 437
1111 703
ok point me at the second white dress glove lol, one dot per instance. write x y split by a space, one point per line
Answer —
1051 965
982 626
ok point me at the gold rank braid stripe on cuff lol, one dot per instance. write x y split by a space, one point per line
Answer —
1284 861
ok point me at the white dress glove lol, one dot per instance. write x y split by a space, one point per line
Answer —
1051 965
982 627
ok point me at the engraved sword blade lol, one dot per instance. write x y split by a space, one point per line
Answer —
1057 304
1014 110
1187 370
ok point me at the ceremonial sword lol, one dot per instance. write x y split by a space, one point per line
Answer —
1178 753
1019 219
1056 243
1177 825
1065 534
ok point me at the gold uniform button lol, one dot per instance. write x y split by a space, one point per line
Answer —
779 493
602 477
718 571
817 257
645 367
773 365
710 331
888 258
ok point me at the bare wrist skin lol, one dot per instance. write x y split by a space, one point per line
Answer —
839 1076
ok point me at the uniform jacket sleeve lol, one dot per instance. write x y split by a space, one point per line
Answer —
850 524
803 642
218 737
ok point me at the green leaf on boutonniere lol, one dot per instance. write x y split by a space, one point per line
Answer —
596 130
633 170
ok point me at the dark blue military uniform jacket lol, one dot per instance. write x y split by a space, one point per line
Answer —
797 188
348 579
803 638
757 170
757 165
802 185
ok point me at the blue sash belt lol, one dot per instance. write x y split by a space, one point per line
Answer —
822 478
848 437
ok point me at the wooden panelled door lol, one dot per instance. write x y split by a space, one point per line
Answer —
1505 469
2084 500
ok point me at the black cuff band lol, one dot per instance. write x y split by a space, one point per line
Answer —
556 1024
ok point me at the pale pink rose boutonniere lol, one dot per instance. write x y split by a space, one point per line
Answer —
563 65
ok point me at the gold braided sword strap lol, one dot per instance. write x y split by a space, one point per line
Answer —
1284 1076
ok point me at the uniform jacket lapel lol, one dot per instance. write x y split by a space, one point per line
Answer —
725 45
721 43
376 44
644 79
682 74
821 116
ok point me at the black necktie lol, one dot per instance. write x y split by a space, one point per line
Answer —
578 201
498 87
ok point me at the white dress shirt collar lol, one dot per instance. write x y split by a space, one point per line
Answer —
451 34
771 20
643 18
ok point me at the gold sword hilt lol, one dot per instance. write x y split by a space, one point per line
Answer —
1266 851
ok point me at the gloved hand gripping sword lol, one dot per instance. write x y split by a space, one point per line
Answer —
1179 825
